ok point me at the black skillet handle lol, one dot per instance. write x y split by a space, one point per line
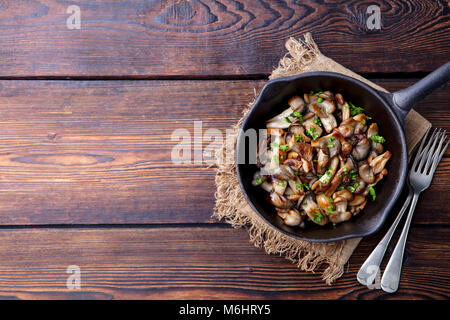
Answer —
404 100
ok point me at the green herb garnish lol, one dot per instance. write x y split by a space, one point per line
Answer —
287 120
372 193
298 138
259 180
284 147
378 139
318 122
355 110
312 133
319 100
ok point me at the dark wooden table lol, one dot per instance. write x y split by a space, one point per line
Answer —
87 115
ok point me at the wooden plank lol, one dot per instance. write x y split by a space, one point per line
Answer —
99 152
211 38
182 263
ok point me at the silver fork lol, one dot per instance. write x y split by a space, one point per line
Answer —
420 177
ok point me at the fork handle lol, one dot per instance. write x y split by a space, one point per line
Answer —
391 276
365 273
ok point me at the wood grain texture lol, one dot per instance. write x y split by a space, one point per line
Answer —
99 152
211 38
195 263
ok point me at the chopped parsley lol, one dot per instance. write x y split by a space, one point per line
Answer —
282 183
330 209
378 139
355 110
317 217
298 138
274 144
330 142
298 115
319 100
372 193
318 122
302 186
284 147
287 120
312 133
259 180
318 92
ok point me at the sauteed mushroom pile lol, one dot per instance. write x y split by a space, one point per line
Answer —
324 157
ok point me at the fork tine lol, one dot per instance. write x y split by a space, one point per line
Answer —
434 151
421 147
438 159
424 154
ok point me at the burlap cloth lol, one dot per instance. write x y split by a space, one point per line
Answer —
303 56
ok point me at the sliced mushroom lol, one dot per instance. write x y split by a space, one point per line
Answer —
296 103
294 164
305 151
328 95
258 178
279 186
267 186
340 99
338 217
299 131
297 186
357 200
338 179
291 218
346 147
361 126
379 162
279 121
346 111
365 172
322 161
283 172
313 211
356 209
372 130
325 202
361 185
311 127
279 201
324 111
361 150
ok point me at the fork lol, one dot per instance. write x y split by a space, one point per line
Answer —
420 176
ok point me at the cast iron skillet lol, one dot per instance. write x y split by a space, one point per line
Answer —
388 111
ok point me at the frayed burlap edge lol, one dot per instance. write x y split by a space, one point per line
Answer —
231 206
